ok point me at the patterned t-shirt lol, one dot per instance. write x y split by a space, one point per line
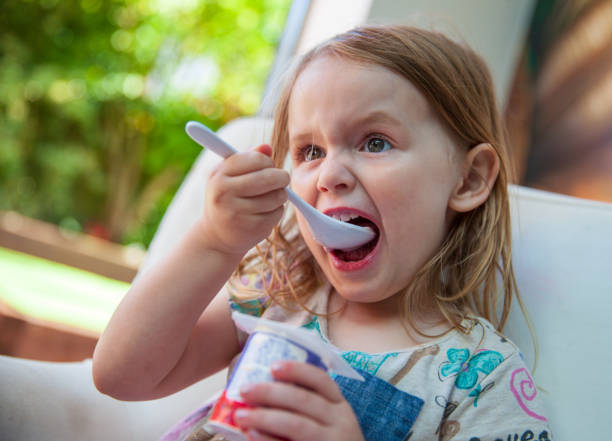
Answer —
459 387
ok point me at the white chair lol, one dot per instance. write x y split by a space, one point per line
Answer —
562 251
562 255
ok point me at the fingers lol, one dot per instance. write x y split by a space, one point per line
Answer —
308 376
273 424
259 182
259 205
250 174
265 149
303 404
287 397
255 435
247 162
270 218
264 204
300 388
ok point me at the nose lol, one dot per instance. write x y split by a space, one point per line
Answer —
335 174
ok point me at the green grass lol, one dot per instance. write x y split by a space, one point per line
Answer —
54 292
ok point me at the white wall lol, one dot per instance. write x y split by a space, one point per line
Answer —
496 29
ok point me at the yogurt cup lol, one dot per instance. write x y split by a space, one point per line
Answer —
268 342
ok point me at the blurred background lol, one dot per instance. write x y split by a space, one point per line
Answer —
94 95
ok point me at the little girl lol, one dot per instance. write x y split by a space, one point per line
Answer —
389 127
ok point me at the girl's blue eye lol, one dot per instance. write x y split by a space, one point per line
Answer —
376 145
312 152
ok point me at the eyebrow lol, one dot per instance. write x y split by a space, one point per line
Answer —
377 116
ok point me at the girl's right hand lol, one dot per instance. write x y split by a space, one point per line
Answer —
244 201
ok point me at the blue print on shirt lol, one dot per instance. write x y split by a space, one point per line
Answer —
466 369
370 363
313 325
479 390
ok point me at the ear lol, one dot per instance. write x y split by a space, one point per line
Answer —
480 169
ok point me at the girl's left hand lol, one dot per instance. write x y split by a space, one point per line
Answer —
303 404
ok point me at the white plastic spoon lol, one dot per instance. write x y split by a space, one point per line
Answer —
326 230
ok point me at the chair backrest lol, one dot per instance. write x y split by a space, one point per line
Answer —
563 263
562 252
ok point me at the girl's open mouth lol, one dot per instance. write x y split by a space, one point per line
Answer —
359 253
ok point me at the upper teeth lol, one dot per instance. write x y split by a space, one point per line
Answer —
344 217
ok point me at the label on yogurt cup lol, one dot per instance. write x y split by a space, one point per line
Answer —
263 350
329 356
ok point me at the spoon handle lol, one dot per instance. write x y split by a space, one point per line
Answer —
209 139
304 207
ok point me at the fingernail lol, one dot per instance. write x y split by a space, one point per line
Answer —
246 388
241 414
276 366
253 435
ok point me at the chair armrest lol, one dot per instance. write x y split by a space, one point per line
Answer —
58 401
44 400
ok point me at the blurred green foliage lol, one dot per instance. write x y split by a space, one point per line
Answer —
94 96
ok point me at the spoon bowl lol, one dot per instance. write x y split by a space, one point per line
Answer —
326 230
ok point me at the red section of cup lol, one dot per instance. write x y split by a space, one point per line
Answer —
224 411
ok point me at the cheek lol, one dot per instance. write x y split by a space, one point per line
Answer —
416 208
304 184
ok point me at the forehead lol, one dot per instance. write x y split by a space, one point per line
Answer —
343 87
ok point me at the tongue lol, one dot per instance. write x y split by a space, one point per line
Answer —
362 251
356 254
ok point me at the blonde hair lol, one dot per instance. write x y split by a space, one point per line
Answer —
463 275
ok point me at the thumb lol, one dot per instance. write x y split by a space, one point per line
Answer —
265 149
